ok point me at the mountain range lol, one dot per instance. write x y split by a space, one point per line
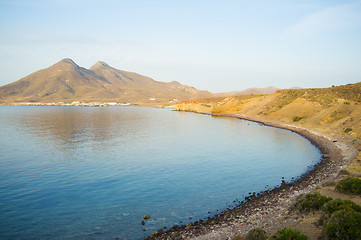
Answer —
66 82
250 91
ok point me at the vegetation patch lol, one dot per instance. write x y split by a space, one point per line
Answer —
341 219
311 202
337 204
349 185
298 118
343 224
347 130
288 233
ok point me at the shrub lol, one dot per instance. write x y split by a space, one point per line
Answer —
349 185
312 201
256 234
289 234
298 118
344 224
338 204
347 130
346 102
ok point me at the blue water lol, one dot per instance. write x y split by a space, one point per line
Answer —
92 173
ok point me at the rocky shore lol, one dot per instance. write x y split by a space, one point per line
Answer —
269 209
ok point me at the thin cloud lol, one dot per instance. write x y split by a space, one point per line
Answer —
330 20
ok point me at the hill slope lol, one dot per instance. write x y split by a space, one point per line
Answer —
333 110
65 81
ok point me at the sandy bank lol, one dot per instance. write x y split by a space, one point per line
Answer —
269 208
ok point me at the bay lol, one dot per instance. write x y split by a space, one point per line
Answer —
93 173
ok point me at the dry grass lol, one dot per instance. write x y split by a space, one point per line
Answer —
335 110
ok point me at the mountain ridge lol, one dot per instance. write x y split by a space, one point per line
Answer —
255 90
65 81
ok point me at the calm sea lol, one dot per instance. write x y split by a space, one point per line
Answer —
93 173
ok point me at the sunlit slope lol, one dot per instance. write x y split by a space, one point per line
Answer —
61 81
65 81
138 88
335 109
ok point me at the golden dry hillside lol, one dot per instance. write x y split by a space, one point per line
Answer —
335 110
66 82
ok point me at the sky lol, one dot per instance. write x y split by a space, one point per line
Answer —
220 46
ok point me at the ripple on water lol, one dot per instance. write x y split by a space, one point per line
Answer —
77 173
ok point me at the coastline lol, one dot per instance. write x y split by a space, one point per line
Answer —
269 209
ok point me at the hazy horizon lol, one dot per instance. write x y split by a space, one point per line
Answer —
211 45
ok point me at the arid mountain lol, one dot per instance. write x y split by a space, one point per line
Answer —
249 91
66 82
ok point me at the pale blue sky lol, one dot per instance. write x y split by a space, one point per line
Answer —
212 45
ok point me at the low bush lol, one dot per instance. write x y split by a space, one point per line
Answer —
298 118
347 130
343 224
349 185
338 204
312 201
341 219
256 234
289 234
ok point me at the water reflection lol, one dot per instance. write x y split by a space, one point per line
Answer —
74 126
64 168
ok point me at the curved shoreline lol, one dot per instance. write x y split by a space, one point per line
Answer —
267 208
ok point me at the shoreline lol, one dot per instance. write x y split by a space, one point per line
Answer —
90 104
268 209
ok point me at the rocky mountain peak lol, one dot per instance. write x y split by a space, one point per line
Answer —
100 64
66 62
65 81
